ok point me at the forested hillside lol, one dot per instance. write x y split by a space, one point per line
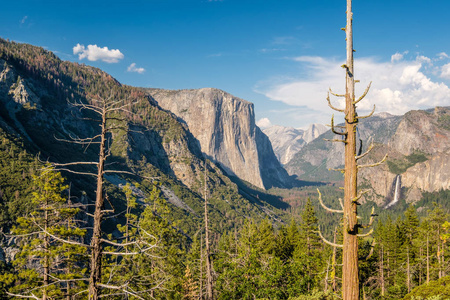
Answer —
153 234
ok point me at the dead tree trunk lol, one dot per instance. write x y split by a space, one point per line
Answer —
96 242
47 253
408 271
382 283
209 292
428 260
350 280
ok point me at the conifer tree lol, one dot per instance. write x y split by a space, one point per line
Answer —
41 253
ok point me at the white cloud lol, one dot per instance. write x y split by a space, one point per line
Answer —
264 123
423 59
442 56
133 68
445 71
396 57
398 86
94 53
23 19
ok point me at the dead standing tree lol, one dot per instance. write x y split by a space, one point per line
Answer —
209 281
350 281
108 112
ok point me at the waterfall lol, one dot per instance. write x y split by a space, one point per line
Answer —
396 191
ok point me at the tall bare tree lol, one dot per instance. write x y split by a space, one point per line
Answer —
109 116
209 281
350 281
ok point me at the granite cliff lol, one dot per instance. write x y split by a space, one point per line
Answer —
418 148
287 141
36 115
225 128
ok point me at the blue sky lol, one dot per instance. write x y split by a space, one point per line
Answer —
281 55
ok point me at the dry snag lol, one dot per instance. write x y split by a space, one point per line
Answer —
350 281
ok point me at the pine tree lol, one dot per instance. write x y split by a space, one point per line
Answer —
42 254
310 248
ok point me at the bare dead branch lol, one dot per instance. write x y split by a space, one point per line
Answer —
375 164
331 105
372 246
336 95
333 128
22 296
360 195
327 208
133 253
365 153
337 170
364 94
365 234
58 238
328 242
369 115
76 172
335 140
122 288
371 220
341 203
116 128
74 164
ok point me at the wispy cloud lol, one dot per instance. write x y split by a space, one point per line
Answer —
94 53
24 19
398 86
284 40
442 56
271 50
133 68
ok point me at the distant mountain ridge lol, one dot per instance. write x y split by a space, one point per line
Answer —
418 148
287 141
225 127
35 90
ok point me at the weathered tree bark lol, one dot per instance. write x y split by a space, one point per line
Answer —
201 267
209 291
333 263
350 281
47 253
96 243
428 260
408 271
383 288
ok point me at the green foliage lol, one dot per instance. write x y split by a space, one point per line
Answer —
44 263
16 169
399 166
444 122
434 290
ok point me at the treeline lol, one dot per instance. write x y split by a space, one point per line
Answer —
256 261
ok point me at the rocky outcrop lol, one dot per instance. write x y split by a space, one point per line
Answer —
287 141
418 148
225 128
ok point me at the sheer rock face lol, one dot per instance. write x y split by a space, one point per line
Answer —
225 128
287 141
424 132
